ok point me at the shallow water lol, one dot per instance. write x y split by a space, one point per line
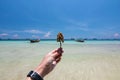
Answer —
81 61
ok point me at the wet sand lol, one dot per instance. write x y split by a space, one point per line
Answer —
79 61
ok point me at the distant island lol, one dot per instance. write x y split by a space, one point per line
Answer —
52 39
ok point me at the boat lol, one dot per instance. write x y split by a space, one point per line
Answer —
34 41
80 40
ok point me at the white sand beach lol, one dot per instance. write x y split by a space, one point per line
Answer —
80 61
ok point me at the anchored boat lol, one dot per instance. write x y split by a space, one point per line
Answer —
34 41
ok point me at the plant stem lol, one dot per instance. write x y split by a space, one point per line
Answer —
60 44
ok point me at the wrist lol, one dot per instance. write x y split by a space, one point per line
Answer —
32 75
40 71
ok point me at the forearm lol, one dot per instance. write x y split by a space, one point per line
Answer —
40 70
47 65
28 78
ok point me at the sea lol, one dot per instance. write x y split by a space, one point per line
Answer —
89 60
52 41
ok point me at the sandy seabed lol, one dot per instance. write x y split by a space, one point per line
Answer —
79 61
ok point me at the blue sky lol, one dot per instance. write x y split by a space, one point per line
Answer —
45 18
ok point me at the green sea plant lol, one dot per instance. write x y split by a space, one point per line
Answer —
60 38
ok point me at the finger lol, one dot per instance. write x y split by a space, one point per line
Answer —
58 59
60 50
56 50
56 55
53 51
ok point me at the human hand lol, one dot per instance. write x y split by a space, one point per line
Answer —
49 62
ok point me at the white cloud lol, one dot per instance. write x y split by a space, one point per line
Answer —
47 35
3 34
34 31
35 36
116 35
15 35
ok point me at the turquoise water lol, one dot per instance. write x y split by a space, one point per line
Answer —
18 57
66 42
